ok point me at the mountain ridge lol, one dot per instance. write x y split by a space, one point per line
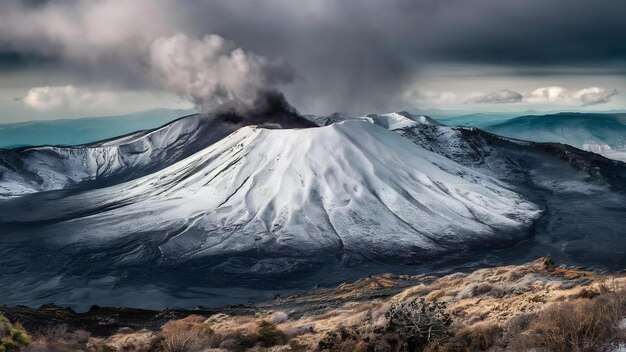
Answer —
601 133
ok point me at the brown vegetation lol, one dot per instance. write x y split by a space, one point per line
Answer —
537 306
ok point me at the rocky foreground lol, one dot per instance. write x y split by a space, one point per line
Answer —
537 306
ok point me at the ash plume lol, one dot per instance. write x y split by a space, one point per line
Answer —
208 71
269 110
214 73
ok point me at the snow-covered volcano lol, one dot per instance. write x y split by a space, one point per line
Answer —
348 187
203 202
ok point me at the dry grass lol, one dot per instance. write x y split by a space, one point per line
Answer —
186 335
581 325
480 337
537 306
60 339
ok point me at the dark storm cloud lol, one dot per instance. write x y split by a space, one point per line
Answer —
34 3
10 60
484 31
357 55
15 59
534 32
363 53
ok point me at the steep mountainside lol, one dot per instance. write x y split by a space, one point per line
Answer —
34 169
583 193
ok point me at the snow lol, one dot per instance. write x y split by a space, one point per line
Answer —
36 169
398 120
349 187
390 121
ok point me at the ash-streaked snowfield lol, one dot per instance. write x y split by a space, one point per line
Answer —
273 146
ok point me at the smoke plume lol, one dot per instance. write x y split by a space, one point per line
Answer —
212 72
110 38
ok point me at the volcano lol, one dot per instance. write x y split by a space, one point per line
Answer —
207 203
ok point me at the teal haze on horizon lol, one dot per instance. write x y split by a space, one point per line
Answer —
84 130
603 133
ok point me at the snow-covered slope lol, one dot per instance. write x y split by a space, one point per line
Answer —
35 169
350 187
204 203
29 170
391 121
498 156
582 192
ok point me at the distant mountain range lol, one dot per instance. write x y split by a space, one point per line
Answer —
602 133
270 201
599 133
84 130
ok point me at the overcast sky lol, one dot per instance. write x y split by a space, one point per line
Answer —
70 58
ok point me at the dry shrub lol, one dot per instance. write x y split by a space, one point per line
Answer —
352 339
192 322
419 322
582 325
140 341
235 341
100 346
124 330
592 291
185 335
519 324
60 338
195 334
269 335
180 341
515 274
62 333
408 326
480 337
298 346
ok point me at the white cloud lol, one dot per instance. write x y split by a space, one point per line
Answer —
595 95
557 95
553 94
562 95
504 96
68 98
